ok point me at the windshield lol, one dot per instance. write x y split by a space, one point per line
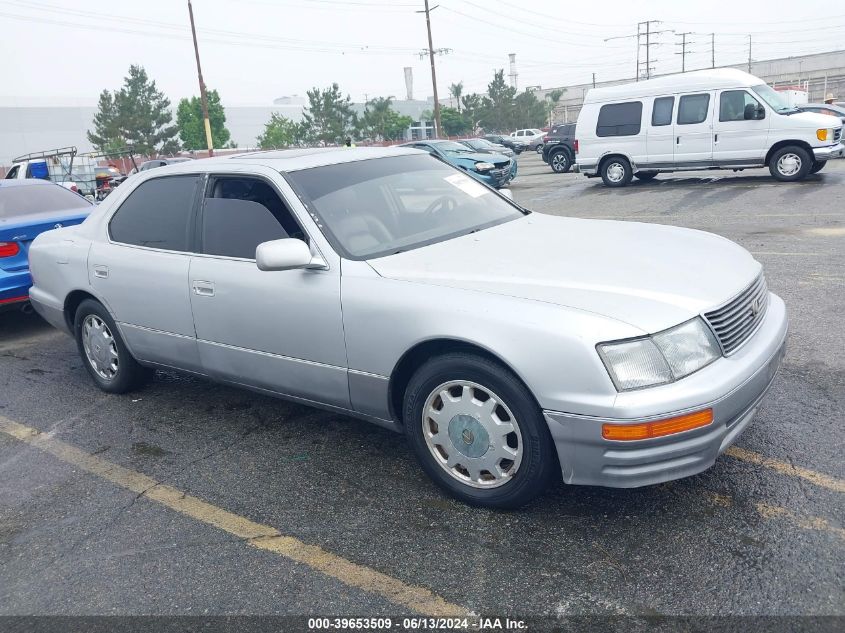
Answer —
773 98
450 147
378 207
32 199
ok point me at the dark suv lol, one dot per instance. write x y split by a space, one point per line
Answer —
559 147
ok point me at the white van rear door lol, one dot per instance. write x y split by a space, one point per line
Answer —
694 129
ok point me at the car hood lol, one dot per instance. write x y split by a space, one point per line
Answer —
816 119
479 157
647 275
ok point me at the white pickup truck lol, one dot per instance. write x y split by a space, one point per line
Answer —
61 166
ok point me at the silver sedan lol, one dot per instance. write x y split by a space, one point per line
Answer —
512 348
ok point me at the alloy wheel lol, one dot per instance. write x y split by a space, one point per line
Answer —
100 347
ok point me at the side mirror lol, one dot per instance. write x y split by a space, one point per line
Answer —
286 254
754 112
507 193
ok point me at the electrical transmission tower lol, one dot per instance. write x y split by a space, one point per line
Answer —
683 52
645 39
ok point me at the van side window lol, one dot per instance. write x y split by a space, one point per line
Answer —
620 119
693 109
661 111
732 105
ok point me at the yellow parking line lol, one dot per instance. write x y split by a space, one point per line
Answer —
784 468
265 537
805 523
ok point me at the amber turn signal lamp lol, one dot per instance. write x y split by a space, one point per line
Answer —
658 428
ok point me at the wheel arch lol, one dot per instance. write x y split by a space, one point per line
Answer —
611 155
418 354
786 143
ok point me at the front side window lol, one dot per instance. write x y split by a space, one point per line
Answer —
661 111
157 214
693 108
240 213
732 104
13 172
620 119
377 207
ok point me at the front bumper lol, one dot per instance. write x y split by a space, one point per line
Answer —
587 458
829 152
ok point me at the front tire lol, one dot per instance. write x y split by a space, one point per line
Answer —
790 163
103 352
818 165
477 432
560 162
616 171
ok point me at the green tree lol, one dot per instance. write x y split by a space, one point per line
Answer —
456 90
329 117
143 113
189 120
553 98
280 131
498 104
107 135
528 110
472 108
455 123
380 121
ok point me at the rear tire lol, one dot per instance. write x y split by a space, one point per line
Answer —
466 448
790 163
539 148
103 352
645 176
616 171
560 162
818 165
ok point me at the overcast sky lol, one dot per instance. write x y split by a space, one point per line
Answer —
67 51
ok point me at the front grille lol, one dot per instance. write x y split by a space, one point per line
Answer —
837 134
501 173
738 319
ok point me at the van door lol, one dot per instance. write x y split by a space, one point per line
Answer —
660 133
694 130
741 129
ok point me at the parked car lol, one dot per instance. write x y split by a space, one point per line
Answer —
824 108
27 208
706 119
518 146
512 348
559 148
495 170
532 137
161 162
483 146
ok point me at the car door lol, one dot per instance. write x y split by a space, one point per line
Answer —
741 129
694 130
279 331
141 272
660 133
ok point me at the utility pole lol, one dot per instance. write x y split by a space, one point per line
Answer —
203 96
749 54
683 52
437 126
712 50
644 31
594 80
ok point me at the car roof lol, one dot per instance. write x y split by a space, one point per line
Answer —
709 79
289 160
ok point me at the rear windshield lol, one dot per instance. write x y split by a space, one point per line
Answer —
32 199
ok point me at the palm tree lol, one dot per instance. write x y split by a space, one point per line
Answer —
554 97
456 90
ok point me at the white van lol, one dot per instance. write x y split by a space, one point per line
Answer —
707 119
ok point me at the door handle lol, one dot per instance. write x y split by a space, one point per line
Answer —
678 140
715 138
101 272
203 288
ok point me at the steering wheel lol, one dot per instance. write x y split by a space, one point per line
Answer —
443 204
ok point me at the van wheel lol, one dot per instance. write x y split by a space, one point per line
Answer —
616 172
560 161
645 176
477 432
818 165
790 163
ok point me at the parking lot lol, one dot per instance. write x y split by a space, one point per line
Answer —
192 498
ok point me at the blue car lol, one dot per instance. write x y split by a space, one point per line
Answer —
495 170
27 208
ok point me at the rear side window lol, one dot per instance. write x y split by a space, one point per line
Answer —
661 113
693 108
157 214
620 119
39 200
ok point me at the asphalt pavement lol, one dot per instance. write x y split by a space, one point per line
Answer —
147 503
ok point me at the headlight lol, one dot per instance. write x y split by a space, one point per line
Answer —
483 166
662 358
823 134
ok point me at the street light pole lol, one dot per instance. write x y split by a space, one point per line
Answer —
203 96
